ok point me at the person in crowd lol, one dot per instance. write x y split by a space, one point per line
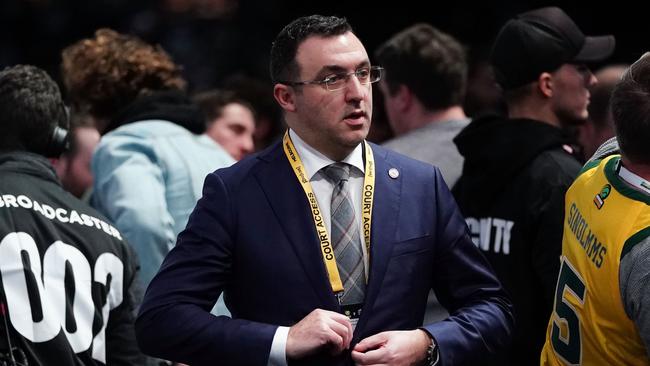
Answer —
313 273
518 168
268 116
153 156
423 89
483 95
230 121
73 167
600 315
68 288
599 127
425 73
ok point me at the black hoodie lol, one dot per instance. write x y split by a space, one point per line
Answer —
51 245
511 193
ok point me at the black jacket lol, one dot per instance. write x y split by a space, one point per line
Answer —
511 193
67 278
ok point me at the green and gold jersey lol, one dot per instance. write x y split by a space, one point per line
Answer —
604 219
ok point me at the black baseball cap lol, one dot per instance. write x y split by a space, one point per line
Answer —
542 40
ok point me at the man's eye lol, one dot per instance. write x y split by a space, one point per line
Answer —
332 79
363 73
582 68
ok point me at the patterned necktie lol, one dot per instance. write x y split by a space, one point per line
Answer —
345 235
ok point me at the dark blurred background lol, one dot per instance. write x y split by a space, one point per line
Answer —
219 38
222 42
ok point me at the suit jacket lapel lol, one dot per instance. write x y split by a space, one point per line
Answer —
383 232
290 205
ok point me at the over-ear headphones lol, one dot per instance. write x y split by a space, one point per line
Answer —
59 142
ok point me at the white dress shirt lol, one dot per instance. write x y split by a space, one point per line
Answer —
313 161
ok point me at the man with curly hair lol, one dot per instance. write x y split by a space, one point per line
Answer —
153 157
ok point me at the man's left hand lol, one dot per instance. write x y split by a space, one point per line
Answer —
398 348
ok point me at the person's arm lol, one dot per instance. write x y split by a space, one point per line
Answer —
553 173
545 227
481 321
129 189
634 281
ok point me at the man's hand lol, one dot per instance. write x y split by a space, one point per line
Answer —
320 329
403 348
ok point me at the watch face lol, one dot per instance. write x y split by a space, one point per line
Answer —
432 354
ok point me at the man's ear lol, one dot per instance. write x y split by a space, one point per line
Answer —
545 84
285 95
403 98
60 165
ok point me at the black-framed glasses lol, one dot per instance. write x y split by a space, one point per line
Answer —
337 81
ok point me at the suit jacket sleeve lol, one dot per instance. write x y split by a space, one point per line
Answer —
175 321
480 321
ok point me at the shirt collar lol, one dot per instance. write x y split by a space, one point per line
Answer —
314 161
633 180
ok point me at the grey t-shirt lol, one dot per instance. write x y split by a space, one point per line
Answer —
434 144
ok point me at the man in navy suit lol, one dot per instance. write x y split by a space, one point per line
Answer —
320 268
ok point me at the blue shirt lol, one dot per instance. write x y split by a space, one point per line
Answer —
148 177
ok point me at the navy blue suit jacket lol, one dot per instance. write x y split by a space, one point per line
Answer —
251 235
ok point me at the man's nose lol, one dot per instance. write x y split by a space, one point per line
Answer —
354 89
591 79
248 145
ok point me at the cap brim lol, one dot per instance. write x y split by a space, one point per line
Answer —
596 49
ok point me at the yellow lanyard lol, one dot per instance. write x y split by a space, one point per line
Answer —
321 230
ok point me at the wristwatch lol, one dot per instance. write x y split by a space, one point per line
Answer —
433 356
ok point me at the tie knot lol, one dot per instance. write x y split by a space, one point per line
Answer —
337 172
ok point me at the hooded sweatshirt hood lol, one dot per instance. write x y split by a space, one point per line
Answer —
173 106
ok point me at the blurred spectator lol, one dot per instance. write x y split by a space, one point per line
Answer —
423 88
269 124
518 168
150 164
483 96
230 121
73 167
600 126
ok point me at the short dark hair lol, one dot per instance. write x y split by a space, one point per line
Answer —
30 108
213 102
630 104
283 64
433 64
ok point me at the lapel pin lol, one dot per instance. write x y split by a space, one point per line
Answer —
393 173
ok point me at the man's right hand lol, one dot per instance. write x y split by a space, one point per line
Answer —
320 329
